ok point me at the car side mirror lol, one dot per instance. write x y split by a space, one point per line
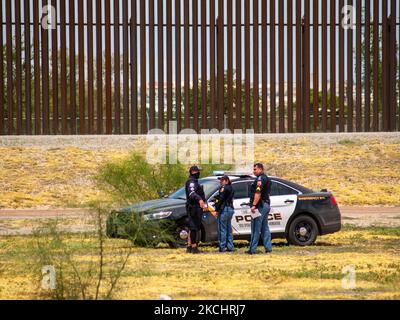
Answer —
161 194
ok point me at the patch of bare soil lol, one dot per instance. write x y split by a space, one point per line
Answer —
25 221
371 216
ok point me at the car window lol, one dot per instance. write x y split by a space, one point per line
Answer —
278 189
241 190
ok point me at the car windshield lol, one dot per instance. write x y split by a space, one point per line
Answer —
209 185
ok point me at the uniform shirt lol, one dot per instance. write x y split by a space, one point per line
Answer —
225 197
260 185
194 191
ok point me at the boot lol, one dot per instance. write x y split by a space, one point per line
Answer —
195 250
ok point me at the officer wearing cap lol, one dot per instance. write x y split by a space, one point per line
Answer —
195 203
260 200
224 207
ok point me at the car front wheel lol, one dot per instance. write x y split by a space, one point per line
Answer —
303 231
178 241
181 235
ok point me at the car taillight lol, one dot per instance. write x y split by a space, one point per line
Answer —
333 200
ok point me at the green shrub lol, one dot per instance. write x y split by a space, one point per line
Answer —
83 267
133 180
140 232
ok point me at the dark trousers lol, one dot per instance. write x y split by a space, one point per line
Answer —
194 213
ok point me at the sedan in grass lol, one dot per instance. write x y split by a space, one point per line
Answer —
297 214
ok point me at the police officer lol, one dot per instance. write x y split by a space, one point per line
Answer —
260 200
195 203
224 207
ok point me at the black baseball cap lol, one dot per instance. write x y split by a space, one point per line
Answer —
226 178
194 168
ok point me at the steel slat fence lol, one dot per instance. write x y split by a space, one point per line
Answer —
125 67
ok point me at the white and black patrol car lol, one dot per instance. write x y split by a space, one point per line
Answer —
297 213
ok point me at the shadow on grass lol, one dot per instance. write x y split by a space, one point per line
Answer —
327 244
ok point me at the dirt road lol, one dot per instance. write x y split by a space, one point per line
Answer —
24 221
371 216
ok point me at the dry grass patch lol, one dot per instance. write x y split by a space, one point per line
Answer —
360 171
289 273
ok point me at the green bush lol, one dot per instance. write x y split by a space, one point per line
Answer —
141 233
84 268
133 180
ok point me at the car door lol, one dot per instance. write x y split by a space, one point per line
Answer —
241 220
283 203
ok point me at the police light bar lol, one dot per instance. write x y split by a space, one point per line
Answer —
238 173
232 173
218 173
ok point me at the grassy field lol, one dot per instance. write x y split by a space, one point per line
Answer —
353 168
289 273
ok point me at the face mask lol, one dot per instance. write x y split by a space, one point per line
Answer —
196 175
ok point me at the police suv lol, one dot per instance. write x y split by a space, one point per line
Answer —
297 213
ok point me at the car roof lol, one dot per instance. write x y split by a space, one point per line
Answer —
235 178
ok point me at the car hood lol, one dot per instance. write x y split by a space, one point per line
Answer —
155 205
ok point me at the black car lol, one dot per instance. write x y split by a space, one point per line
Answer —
297 213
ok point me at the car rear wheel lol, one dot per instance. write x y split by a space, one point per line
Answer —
303 231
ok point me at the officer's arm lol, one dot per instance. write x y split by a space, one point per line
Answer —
222 195
194 196
257 195
192 193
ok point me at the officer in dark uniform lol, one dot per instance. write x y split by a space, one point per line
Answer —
224 208
260 200
195 203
